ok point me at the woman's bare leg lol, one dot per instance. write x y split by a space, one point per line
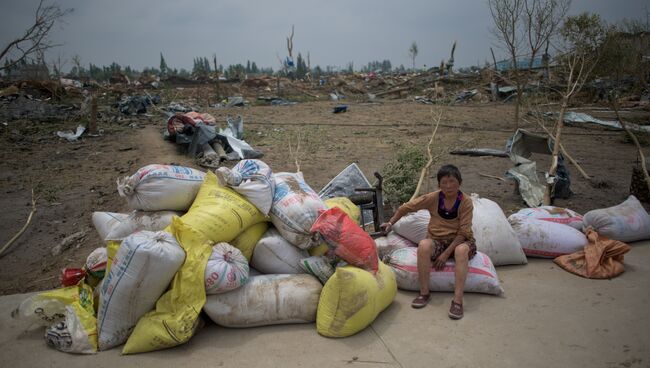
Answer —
461 257
425 251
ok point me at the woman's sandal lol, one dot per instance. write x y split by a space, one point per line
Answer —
420 301
456 310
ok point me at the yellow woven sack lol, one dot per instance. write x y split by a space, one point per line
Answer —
220 213
247 240
349 208
352 298
176 316
344 203
112 246
78 333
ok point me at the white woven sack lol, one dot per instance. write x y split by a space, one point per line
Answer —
318 266
140 273
273 254
227 269
554 214
493 234
626 222
481 277
117 226
252 179
413 226
545 239
392 241
161 187
267 300
295 208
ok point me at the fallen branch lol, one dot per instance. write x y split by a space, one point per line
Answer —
565 153
636 143
492 176
29 219
430 160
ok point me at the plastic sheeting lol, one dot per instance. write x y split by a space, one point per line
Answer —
520 148
343 185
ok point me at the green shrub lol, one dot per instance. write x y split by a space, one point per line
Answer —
402 173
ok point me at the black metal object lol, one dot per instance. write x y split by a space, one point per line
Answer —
371 199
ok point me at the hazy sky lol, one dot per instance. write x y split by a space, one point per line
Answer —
334 32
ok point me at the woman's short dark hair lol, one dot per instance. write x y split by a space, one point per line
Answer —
449 170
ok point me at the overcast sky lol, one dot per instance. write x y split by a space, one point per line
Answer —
334 32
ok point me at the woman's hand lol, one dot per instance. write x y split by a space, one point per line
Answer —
440 262
386 226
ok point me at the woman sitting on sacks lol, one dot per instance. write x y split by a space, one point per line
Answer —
449 235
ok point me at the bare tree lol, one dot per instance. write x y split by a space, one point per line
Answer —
507 15
583 36
35 41
413 52
525 26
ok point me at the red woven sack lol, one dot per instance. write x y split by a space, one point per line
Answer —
349 240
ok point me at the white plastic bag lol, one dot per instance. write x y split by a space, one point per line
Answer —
267 300
273 254
252 179
295 208
413 226
554 214
140 273
545 239
481 277
227 269
161 187
626 222
70 334
493 234
117 226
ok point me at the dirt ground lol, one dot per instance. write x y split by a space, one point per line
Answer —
71 180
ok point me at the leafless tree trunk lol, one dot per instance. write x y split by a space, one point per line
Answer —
34 41
506 15
580 65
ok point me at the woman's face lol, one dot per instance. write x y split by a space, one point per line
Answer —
449 185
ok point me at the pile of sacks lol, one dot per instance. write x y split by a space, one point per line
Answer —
248 246
544 232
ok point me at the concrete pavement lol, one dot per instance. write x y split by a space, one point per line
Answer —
547 318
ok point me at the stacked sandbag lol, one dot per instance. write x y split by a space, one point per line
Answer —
387 244
295 208
349 241
493 234
176 316
252 179
227 269
626 222
220 213
274 254
141 271
161 187
546 239
559 215
481 276
352 298
117 226
267 300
